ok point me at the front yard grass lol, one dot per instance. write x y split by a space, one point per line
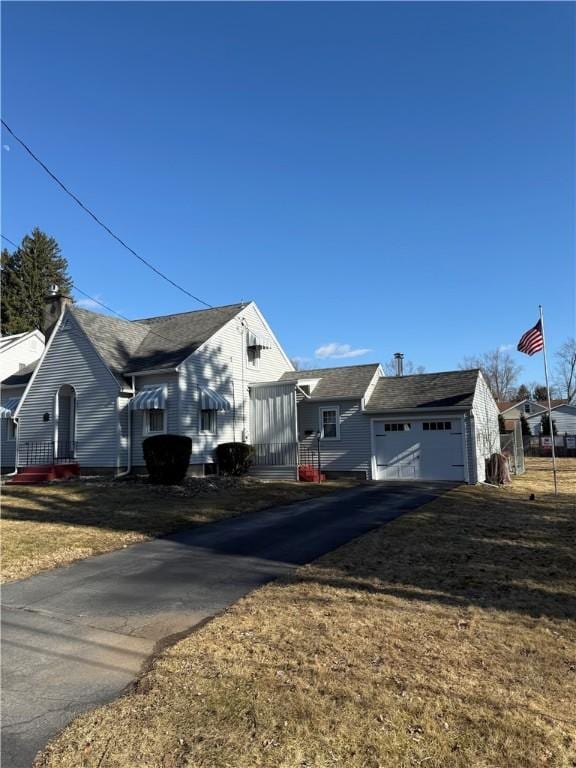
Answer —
47 526
446 639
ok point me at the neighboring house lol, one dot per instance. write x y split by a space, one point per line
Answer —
218 375
532 410
20 352
563 417
19 355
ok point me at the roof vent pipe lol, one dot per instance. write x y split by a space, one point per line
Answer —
399 359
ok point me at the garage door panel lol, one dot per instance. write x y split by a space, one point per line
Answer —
418 453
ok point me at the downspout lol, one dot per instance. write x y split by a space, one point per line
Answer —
11 474
128 469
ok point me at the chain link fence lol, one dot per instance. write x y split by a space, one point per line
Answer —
512 446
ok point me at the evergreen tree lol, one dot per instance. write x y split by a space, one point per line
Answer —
26 276
545 425
524 426
540 392
522 393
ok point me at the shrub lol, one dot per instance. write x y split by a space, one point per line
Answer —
167 458
234 458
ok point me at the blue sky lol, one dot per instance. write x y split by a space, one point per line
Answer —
377 176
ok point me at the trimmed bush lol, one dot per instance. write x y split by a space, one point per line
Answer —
167 458
234 458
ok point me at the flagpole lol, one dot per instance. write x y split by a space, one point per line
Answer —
549 403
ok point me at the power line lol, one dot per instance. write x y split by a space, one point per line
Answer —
97 301
98 221
10 241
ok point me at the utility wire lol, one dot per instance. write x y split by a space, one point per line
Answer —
98 221
10 241
97 301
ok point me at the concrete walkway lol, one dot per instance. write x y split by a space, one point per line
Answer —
75 637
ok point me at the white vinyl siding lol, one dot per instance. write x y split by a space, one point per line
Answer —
222 365
7 443
352 452
72 360
486 428
564 417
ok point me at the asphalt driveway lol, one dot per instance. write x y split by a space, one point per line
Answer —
76 637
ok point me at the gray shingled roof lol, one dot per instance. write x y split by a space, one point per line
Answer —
345 382
424 390
154 342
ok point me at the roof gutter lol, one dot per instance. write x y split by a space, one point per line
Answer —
421 409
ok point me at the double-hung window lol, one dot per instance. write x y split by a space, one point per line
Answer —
207 420
253 355
155 421
330 423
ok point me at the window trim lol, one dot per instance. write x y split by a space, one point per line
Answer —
214 418
321 412
146 426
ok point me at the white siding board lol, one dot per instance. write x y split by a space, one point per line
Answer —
72 360
486 427
564 417
352 452
221 363
8 447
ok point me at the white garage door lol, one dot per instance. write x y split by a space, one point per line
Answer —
418 450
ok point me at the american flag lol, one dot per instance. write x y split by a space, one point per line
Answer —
532 341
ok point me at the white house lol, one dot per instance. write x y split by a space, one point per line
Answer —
19 355
218 375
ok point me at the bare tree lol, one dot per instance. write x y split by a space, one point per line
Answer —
408 366
565 370
499 369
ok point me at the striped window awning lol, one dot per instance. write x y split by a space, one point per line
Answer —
210 400
258 340
8 408
149 399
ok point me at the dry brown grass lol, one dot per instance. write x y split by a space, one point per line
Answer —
446 639
48 526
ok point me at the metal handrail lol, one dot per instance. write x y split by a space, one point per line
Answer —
31 453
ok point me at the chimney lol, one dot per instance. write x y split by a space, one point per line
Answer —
54 305
399 358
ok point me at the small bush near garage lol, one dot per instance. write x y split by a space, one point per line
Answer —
167 458
234 458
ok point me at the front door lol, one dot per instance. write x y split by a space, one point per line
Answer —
65 423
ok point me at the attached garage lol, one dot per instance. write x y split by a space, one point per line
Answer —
418 449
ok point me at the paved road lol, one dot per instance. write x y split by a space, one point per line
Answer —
76 637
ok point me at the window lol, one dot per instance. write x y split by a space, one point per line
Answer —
397 427
155 421
253 354
330 423
433 426
11 429
207 421
527 407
